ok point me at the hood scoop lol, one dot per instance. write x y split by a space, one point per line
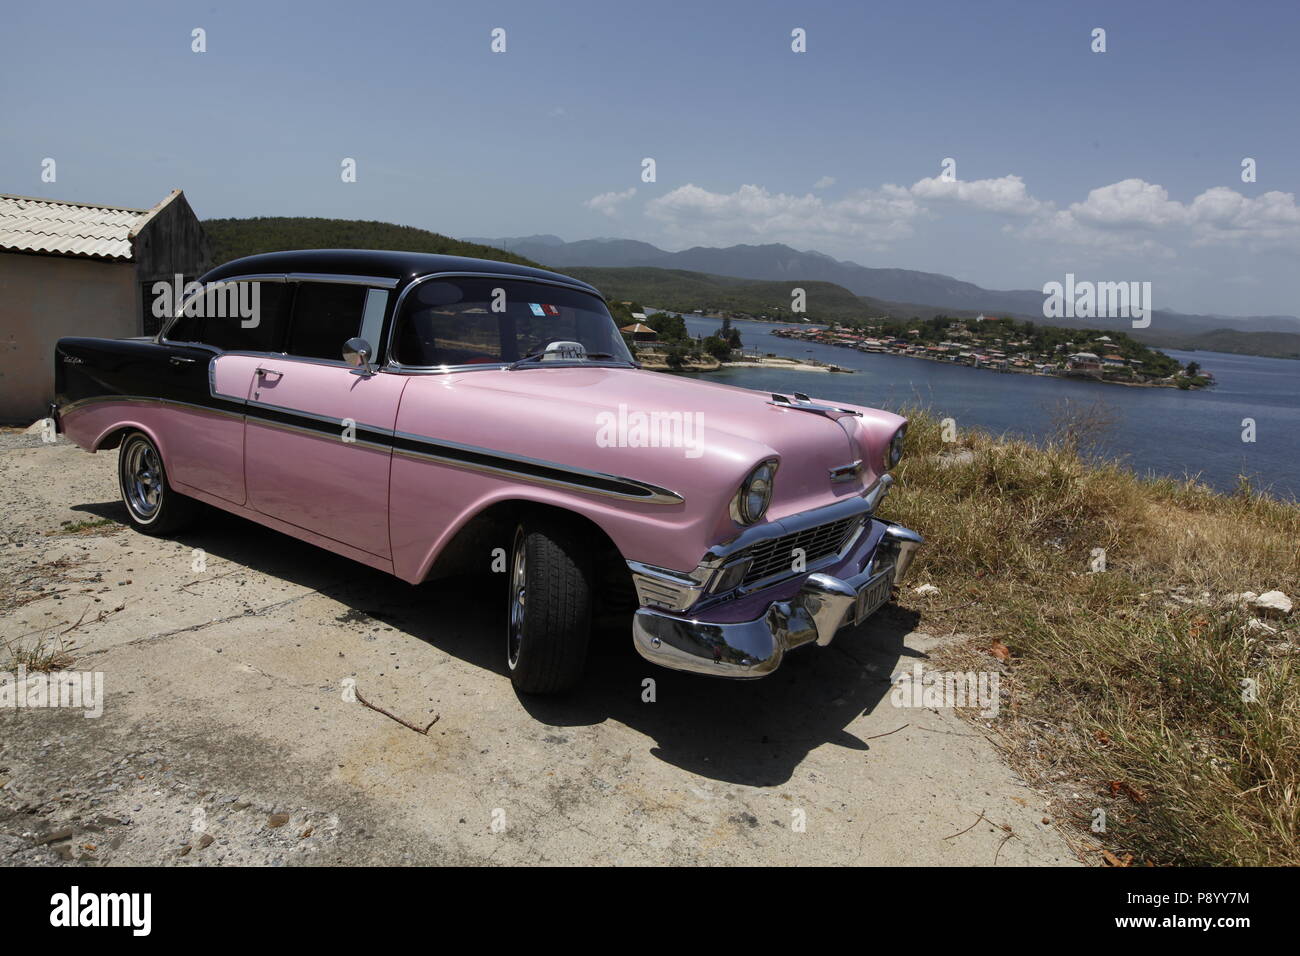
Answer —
805 404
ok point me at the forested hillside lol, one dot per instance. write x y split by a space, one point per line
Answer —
683 291
233 238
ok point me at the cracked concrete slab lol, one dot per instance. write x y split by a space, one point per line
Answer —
231 732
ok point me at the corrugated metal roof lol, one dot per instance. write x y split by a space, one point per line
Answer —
67 228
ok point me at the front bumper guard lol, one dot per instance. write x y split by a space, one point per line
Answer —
748 649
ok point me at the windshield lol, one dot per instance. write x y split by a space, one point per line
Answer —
485 321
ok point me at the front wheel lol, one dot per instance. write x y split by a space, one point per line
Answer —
550 594
151 504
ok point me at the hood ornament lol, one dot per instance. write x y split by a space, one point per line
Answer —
805 404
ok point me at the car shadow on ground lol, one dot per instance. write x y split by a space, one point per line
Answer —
754 733
751 732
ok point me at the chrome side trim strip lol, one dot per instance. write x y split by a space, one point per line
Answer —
317 433
323 419
533 470
421 447
327 433
146 400
475 458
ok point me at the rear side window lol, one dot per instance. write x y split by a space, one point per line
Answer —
184 329
244 316
235 316
325 315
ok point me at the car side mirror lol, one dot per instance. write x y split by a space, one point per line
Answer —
358 353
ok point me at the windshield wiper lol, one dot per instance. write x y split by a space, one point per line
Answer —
536 356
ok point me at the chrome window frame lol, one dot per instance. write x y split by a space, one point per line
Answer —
327 279
379 282
397 368
372 319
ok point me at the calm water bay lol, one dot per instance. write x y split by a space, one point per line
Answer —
1157 430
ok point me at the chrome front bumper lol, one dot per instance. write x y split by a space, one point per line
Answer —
754 648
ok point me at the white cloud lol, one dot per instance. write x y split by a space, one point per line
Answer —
1062 228
608 203
1005 195
824 183
1125 218
1131 218
1225 215
1130 203
695 214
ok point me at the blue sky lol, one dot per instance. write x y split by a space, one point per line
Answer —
1123 165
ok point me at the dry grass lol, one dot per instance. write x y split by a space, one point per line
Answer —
46 653
1129 680
89 526
47 649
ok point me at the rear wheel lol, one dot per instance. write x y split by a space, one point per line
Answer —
550 594
151 504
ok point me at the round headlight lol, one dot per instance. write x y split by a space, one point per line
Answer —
755 494
895 453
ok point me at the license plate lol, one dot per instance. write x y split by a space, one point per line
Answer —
873 596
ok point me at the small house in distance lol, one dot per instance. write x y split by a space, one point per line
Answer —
71 268
640 332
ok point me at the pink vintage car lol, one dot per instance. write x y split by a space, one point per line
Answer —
430 414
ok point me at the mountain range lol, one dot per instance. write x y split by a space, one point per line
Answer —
724 280
903 288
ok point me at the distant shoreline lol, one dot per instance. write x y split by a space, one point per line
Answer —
700 316
1075 377
714 365
782 362
1175 341
794 364
1062 374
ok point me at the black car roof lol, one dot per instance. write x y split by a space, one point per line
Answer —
401 266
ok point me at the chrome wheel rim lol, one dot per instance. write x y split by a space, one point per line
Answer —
517 596
142 480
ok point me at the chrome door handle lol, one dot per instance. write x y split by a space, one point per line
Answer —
263 372
181 360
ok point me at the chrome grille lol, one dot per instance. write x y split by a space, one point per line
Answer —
776 557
